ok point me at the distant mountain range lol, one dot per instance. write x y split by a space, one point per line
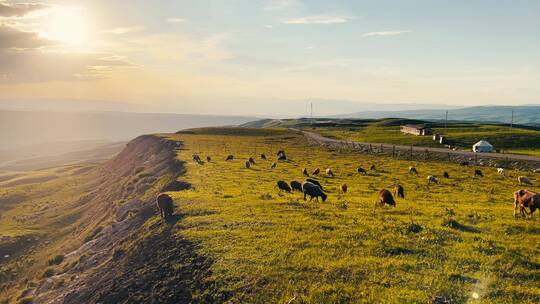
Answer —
524 115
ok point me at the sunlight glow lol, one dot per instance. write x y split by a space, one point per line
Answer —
68 25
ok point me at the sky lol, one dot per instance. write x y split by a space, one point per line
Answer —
270 57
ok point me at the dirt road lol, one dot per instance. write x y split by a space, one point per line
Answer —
390 147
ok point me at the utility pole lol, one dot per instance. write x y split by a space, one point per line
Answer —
311 105
512 121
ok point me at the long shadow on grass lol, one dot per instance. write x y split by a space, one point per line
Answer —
451 223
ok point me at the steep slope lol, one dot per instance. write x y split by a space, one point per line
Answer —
111 250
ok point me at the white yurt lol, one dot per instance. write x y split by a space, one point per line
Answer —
482 146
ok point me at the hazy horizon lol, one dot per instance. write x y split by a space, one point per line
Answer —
257 57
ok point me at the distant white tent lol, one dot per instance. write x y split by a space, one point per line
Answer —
483 146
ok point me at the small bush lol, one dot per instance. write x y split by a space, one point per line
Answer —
56 260
48 273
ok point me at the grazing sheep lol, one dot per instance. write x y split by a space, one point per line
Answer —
251 160
446 175
208 159
315 182
280 152
274 165
229 157
524 180
478 173
282 157
196 158
372 168
165 205
329 172
248 164
296 185
385 197
316 172
304 172
399 191
361 170
283 186
432 179
313 191
501 171
344 188
526 198
412 170
263 156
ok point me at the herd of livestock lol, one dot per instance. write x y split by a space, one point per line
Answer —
523 199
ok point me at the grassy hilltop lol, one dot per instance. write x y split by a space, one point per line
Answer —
237 239
454 241
519 140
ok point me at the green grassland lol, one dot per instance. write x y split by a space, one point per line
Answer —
455 241
520 139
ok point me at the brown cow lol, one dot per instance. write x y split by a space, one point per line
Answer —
526 198
165 205
385 197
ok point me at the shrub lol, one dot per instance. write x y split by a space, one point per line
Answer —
56 260
48 273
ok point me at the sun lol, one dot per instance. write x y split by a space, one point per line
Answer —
69 26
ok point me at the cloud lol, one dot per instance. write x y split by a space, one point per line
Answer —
171 48
14 38
385 33
33 66
124 30
19 9
318 20
277 5
176 20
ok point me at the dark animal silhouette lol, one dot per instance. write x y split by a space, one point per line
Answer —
361 170
273 165
296 185
315 182
208 159
412 170
478 173
197 158
251 160
446 175
263 156
304 172
399 191
283 186
372 168
316 172
229 157
464 163
280 152
313 191
165 205
248 164
344 188
386 198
